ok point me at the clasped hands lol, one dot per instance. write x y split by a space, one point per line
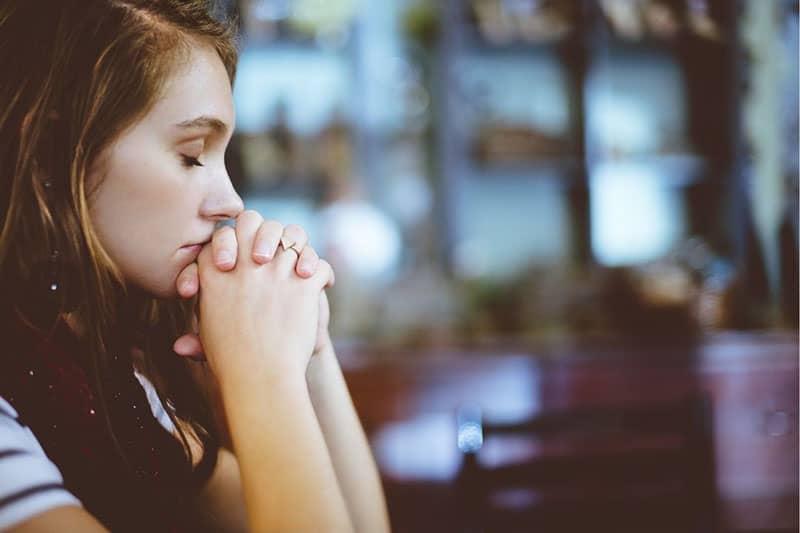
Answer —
266 242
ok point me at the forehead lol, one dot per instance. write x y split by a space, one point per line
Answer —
199 86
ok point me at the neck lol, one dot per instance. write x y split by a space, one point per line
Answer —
133 299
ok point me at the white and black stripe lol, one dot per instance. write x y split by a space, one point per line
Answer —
29 482
30 491
9 453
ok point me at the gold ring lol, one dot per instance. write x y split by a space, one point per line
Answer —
287 245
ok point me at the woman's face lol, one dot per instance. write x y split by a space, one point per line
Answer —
163 184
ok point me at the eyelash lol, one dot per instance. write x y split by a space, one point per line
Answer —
189 161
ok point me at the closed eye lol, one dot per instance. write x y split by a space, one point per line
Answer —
189 161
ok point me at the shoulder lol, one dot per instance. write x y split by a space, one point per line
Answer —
30 483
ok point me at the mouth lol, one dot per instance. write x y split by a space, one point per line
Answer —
193 249
196 244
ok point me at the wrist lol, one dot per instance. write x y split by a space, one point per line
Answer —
325 345
246 399
321 367
254 379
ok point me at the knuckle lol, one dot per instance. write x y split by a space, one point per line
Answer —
273 228
222 243
295 229
249 217
223 235
250 213
223 230
229 238
324 267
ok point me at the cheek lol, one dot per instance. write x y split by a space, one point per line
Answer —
141 221
142 196
126 215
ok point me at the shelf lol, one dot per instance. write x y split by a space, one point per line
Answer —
617 46
535 164
527 28
477 45
296 47
288 39
512 49
566 171
281 190
677 169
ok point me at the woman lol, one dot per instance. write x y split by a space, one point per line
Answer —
114 119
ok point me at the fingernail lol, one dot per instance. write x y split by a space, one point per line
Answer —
305 269
262 256
186 286
224 257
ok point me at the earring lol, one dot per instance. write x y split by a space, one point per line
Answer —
40 295
56 283
53 270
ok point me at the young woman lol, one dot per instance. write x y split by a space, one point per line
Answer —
114 119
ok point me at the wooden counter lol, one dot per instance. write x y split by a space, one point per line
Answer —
407 402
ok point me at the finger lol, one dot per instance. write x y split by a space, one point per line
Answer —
205 262
292 235
187 282
188 346
247 224
266 242
224 246
324 276
307 264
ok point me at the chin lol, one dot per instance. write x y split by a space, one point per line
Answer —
167 289
168 294
163 289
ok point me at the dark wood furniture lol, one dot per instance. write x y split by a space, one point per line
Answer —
408 403
622 469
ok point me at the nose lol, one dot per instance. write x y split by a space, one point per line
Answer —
222 202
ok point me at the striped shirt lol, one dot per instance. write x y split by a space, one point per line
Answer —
30 483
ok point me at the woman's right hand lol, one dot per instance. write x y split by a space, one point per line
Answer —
258 320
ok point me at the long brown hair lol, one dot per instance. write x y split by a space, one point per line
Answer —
76 74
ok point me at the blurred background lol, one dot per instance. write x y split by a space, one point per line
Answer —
545 208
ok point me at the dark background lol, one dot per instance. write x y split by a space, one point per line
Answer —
536 207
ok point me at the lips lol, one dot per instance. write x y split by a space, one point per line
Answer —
202 243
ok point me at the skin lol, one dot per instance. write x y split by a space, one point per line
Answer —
162 186
153 196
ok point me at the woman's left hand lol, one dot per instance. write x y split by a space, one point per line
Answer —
267 241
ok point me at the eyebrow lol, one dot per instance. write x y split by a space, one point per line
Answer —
204 121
